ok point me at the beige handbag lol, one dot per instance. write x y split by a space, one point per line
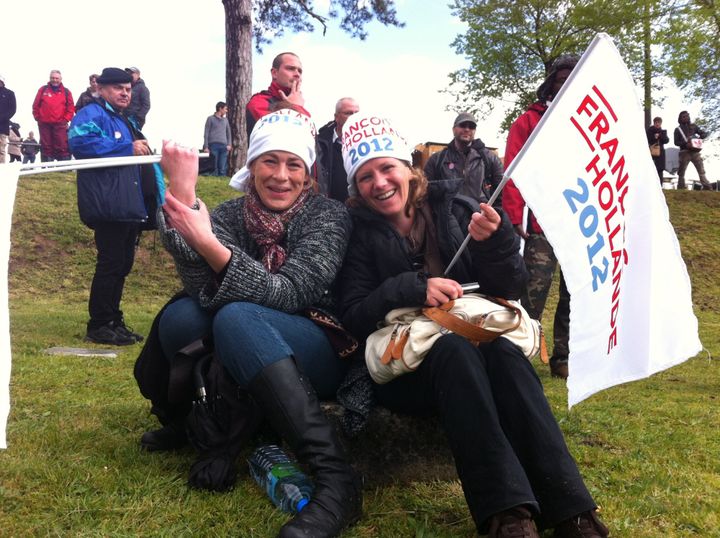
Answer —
409 333
655 150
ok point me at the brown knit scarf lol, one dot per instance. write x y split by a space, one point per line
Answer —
268 228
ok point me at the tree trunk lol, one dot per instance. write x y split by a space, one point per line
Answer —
238 75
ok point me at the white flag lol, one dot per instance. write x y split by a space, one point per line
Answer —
587 175
8 184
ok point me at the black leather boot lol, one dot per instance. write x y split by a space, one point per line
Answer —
170 437
290 404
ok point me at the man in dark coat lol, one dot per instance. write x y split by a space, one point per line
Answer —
140 103
7 110
331 176
110 201
467 158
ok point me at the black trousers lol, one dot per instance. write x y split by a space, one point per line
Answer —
115 243
507 446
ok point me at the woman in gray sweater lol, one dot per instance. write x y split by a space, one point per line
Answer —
252 270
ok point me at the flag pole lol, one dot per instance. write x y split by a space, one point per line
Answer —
83 164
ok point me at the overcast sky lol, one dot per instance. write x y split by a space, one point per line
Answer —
180 48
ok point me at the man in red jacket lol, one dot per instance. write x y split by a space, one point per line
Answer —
286 73
53 108
538 254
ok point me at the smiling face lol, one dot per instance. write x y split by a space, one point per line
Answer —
384 186
279 178
55 78
118 95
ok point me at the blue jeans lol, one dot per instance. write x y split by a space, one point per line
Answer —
220 152
248 337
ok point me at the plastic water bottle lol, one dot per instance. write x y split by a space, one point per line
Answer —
287 486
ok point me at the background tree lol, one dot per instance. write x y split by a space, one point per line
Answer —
512 44
265 20
691 54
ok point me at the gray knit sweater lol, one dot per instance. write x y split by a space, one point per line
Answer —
315 242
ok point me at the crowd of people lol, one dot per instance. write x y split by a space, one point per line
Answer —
335 229
53 109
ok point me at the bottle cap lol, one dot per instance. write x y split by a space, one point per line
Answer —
301 504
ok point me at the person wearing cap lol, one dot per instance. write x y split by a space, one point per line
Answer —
53 108
258 271
8 107
332 180
111 201
286 74
139 105
89 95
467 158
510 454
539 257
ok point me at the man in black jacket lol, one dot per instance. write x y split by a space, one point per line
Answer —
467 158
140 103
7 111
688 137
331 176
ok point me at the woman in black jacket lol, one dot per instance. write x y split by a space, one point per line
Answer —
509 452
656 135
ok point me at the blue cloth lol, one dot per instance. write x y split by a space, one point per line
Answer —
248 337
99 132
220 152
114 193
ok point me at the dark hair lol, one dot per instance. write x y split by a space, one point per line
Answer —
92 77
657 118
416 194
566 61
681 113
277 61
220 105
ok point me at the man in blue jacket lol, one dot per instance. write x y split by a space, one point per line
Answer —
110 201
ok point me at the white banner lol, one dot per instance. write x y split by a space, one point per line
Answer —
587 175
8 184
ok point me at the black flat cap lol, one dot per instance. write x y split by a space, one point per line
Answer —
114 75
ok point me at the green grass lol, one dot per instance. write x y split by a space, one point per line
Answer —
649 450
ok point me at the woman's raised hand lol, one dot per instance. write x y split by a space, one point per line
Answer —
180 164
195 227
441 290
484 223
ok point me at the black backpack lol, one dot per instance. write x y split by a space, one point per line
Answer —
220 417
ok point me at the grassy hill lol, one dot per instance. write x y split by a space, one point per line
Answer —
650 450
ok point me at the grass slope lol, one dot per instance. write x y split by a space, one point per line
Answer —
649 450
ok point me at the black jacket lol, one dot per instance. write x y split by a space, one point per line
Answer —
331 176
690 131
378 273
480 169
139 103
8 108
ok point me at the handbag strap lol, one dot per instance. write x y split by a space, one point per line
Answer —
442 316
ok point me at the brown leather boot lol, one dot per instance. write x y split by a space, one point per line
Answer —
513 523
585 525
